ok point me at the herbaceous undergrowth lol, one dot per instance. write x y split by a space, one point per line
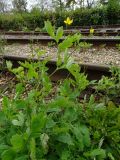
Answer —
33 128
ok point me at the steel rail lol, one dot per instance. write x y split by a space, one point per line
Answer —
96 26
109 32
109 41
93 71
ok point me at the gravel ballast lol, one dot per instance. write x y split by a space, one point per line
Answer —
96 55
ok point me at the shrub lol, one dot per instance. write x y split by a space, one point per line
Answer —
11 21
36 18
113 11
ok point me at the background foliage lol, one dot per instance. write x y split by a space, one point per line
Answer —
94 16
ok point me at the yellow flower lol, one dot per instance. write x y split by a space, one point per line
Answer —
68 21
92 30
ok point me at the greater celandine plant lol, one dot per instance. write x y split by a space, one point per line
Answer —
33 128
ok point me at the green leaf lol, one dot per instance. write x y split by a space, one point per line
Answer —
22 158
16 122
65 138
49 28
76 37
65 155
18 70
100 153
44 141
65 88
8 155
6 103
68 42
3 147
45 81
59 34
111 156
19 88
50 123
33 149
32 73
53 108
20 120
38 122
59 60
2 118
70 115
17 142
91 101
9 65
61 102
100 106
111 105
20 103
70 61
40 52
82 135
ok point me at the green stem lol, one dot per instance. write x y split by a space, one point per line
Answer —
53 72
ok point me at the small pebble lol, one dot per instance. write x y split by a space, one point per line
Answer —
94 55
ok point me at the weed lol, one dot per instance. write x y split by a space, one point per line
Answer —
25 29
51 44
2 46
118 46
37 29
32 128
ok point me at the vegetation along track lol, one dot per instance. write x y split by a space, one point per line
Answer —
94 72
95 40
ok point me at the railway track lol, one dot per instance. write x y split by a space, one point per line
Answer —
96 26
94 72
108 41
85 32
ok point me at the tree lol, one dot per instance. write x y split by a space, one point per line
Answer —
58 5
71 4
3 6
104 2
20 5
81 3
43 4
90 3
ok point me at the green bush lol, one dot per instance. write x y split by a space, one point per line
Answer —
11 21
95 16
113 11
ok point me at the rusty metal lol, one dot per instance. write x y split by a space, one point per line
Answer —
94 72
96 41
85 32
96 26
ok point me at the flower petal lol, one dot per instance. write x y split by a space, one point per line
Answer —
65 21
